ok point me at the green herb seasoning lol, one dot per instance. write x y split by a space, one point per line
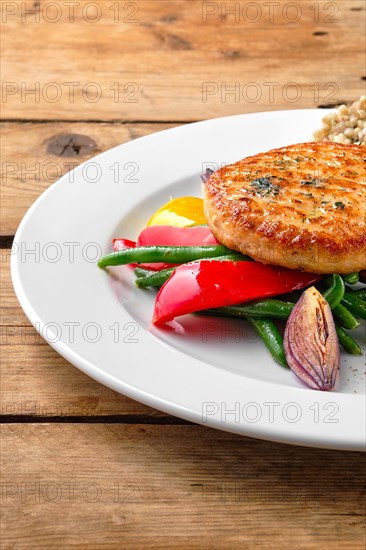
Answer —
265 186
282 164
339 205
313 181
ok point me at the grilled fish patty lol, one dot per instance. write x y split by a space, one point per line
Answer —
301 207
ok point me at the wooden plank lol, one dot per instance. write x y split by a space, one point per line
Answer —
177 61
36 381
36 155
117 486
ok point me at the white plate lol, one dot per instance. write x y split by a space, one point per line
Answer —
210 371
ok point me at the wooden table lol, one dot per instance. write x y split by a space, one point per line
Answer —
84 467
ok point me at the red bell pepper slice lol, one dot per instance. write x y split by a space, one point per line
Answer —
213 283
121 244
166 235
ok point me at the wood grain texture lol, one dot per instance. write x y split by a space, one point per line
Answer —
178 60
119 485
29 167
113 486
37 381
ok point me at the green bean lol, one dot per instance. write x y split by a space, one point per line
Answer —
335 292
276 310
272 338
356 306
258 309
233 257
360 294
167 254
158 278
141 272
345 317
347 342
351 278
154 278
290 296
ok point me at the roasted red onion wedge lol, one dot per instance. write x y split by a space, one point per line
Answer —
311 342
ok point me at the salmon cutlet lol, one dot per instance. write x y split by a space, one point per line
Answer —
301 207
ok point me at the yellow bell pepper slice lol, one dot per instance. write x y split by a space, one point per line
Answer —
180 212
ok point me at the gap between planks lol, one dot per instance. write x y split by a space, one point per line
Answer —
6 242
97 419
96 121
